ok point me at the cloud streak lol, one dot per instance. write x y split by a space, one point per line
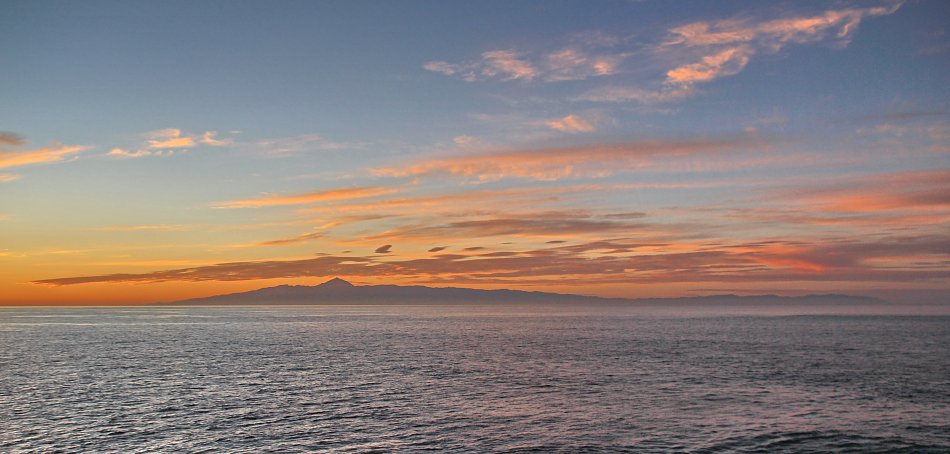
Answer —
536 224
308 198
303 238
888 259
45 155
916 190
557 163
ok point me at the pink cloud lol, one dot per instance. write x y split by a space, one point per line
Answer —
726 46
507 64
726 62
582 59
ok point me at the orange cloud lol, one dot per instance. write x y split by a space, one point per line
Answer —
39 156
556 163
123 154
172 138
169 138
310 197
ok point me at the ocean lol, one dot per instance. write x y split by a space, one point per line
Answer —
470 379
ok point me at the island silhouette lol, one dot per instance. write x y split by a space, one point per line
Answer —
338 291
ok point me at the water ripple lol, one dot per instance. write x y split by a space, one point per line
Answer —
452 379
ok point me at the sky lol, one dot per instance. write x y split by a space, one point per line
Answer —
154 151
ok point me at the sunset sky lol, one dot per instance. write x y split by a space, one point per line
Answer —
164 150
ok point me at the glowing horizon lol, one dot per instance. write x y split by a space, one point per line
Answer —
639 149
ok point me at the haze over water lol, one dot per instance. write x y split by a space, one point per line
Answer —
485 378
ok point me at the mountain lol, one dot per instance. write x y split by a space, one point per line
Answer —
339 291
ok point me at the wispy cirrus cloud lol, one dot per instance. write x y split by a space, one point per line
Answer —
415 204
557 163
585 56
501 64
704 51
53 153
693 53
310 197
775 34
507 64
571 123
237 271
913 190
530 224
138 228
288 241
288 146
166 142
725 47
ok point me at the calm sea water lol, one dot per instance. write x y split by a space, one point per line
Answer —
361 378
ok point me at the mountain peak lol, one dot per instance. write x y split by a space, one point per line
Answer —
336 282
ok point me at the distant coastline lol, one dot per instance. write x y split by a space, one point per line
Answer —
338 291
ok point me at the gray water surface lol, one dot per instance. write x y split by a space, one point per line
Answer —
364 378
